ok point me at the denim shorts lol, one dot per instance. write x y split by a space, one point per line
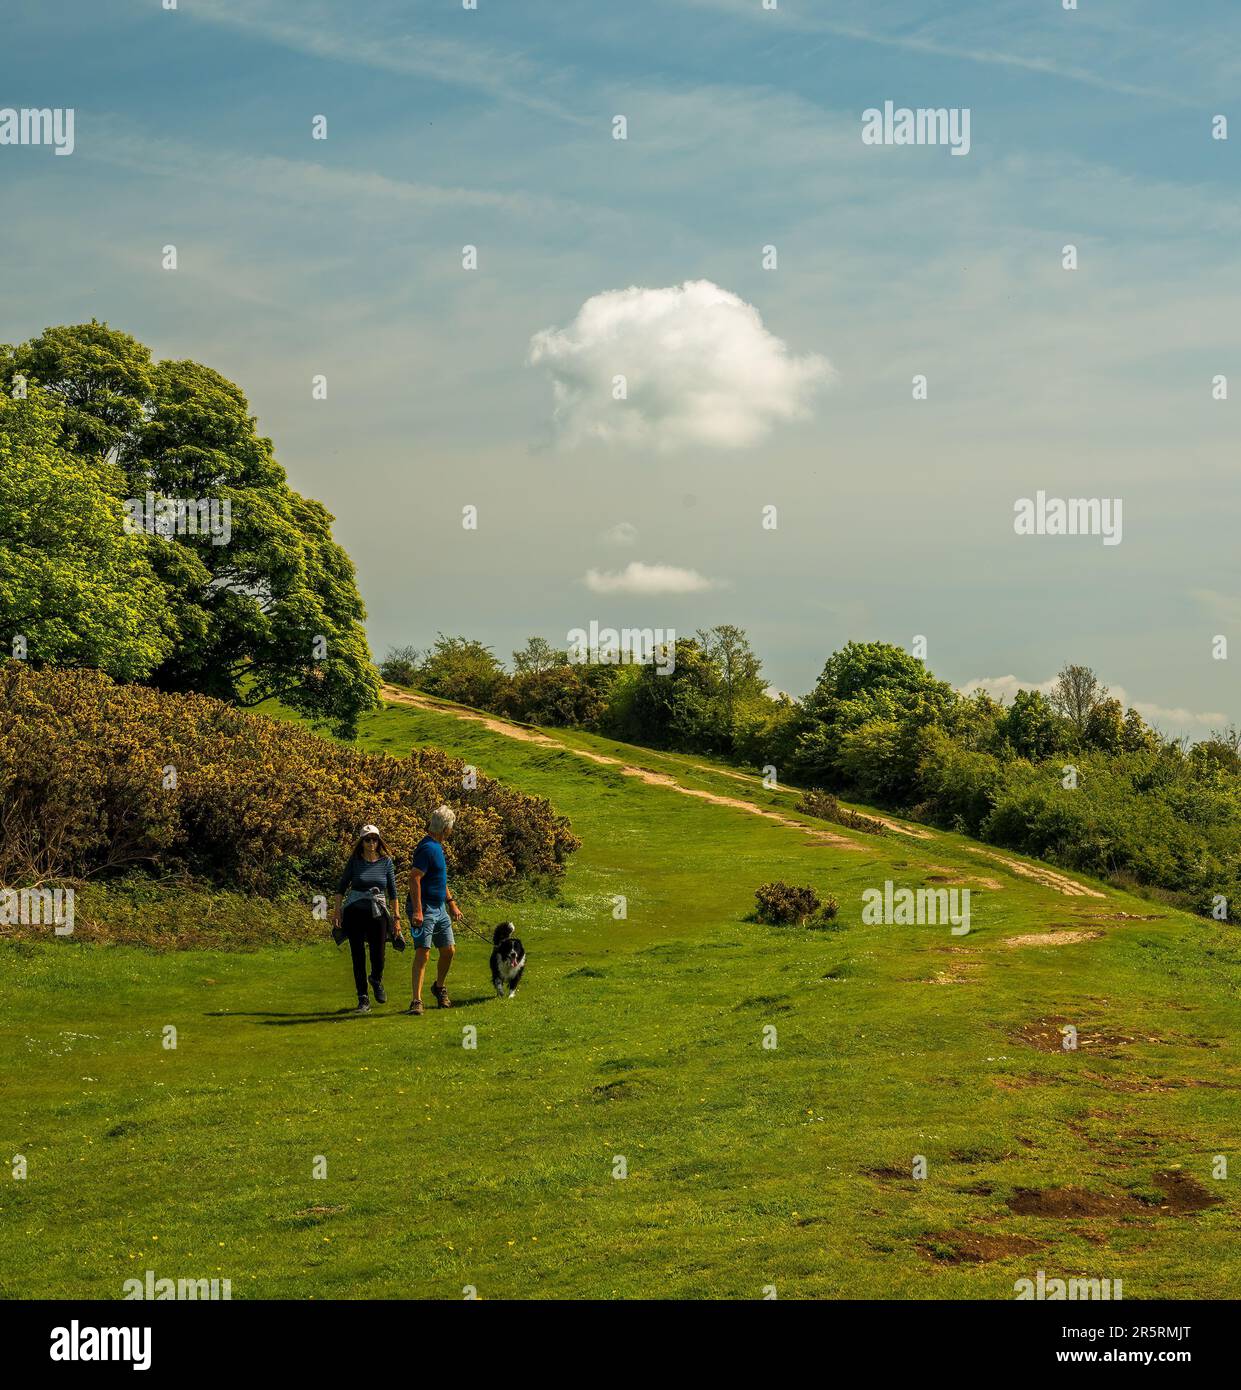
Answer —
436 929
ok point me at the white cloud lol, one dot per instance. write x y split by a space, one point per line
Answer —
1177 720
1169 720
640 578
699 368
1003 688
623 533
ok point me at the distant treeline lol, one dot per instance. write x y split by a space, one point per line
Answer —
1071 777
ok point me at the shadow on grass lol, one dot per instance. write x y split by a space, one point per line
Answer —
272 1019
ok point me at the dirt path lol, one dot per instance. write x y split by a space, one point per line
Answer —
915 831
655 779
1046 877
1049 878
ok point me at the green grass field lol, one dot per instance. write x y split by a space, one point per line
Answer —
641 1041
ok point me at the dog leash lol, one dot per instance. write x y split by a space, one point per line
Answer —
482 935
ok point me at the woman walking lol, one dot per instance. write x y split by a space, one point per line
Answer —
368 886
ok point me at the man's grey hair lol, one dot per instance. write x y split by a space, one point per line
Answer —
443 818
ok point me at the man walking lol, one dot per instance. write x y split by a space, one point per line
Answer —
432 909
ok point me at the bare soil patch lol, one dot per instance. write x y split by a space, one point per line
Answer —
1184 1193
966 1247
1045 1035
889 1172
1183 1196
1051 938
1059 1202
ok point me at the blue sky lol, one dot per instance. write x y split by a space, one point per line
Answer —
494 128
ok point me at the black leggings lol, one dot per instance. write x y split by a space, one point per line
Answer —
364 929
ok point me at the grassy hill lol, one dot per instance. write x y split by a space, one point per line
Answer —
493 1166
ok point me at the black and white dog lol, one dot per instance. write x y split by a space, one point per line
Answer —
508 960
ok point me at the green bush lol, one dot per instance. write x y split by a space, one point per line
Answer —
400 666
566 697
782 905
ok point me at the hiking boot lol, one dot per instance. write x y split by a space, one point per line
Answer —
415 1008
364 1004
441 996
377 986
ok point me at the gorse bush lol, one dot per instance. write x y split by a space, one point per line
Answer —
97 778
783 904
826 807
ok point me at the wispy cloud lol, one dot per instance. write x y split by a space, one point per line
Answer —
119 144
388 43
914 42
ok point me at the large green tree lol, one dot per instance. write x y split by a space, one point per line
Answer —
76 589
273 611
869 709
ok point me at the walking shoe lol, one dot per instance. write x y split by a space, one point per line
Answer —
364 1004
338 935
377 986
415 1008
441 995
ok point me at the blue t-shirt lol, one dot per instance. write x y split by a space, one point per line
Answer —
429 858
